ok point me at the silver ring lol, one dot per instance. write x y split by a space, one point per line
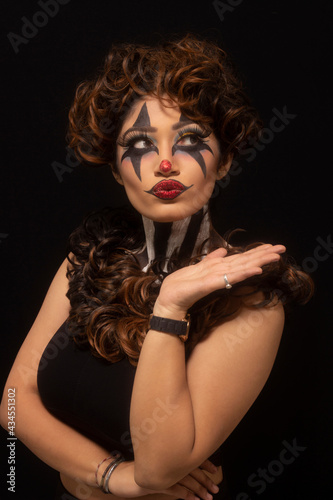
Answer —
227 284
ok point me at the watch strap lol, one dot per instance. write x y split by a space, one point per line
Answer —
167 325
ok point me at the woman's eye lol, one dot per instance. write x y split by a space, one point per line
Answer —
188 140
141 143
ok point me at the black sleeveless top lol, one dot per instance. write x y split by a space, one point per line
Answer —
91 394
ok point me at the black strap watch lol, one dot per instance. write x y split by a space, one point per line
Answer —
166 325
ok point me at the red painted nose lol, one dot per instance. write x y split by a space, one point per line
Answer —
165 166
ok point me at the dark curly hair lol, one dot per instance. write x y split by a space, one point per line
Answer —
195 74
111 297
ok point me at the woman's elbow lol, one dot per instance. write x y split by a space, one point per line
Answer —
13 409
3 412
151 479
3 421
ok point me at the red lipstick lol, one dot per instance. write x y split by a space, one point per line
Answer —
168 189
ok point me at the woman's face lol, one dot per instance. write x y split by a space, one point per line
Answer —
174 189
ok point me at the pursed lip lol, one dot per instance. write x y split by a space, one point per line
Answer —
168 189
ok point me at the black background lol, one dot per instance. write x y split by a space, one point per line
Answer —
283 50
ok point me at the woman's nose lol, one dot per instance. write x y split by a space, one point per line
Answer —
166 168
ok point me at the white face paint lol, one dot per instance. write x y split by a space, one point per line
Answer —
153 133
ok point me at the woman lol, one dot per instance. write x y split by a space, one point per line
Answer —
156 335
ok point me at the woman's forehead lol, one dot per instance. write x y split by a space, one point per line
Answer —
150 109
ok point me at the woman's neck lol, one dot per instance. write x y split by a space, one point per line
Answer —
186 236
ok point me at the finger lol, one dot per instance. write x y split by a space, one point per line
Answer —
205 480
253 259
200 483
196 486
179 491
258 260
238 276
259 250
261 247
208 466
218 253
276 249
220 273
267 246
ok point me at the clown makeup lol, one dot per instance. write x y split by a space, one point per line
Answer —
154 133
191 140
135 140
187 236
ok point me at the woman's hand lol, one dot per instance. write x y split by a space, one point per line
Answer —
181 289
195 485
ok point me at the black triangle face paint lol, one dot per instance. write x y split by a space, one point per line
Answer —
135 154
143 120
194 151
183 118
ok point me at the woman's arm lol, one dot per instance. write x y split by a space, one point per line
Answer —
205 400
55 443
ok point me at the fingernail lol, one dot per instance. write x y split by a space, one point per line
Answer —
209 496
215 488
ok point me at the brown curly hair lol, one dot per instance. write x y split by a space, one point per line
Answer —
195 74
111 297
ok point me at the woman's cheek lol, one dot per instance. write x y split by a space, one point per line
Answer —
145 165
148 163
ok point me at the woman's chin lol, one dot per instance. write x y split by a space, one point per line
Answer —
169 217
171 212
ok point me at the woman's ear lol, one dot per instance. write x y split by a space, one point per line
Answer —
224 167
116 175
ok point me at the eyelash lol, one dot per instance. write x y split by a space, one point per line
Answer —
133 137
192 131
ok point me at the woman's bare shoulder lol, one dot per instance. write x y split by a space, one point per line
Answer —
52 314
